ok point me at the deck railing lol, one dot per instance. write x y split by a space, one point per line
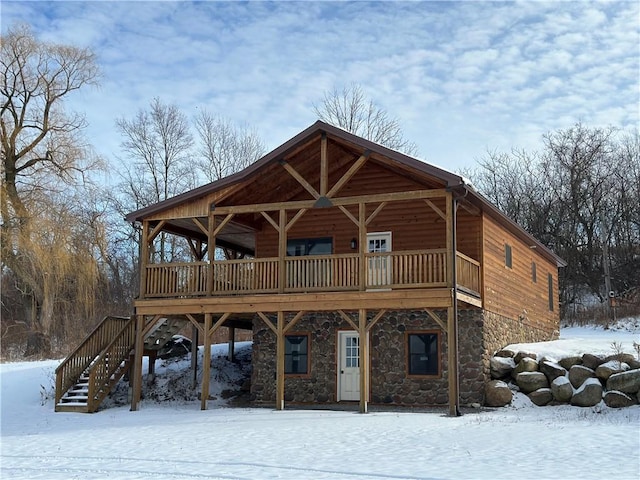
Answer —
256 275
322 272
110 365
177 279
468 273
79 360
384 270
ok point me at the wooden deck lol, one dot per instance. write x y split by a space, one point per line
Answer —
247 280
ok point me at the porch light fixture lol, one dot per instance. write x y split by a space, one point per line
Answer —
354 244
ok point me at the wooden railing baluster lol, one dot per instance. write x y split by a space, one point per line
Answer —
402 269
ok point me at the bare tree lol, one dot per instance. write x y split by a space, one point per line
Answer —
157 165
351 110
224 147
579 195
43 156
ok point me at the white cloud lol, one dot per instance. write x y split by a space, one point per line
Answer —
460 76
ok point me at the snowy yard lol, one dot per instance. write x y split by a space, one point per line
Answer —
175 440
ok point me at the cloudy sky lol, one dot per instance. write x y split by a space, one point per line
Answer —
461 77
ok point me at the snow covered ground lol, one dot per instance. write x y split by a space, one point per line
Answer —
175 440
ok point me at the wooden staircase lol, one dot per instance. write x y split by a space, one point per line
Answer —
162 331
87 375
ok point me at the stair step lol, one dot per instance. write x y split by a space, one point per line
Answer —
77 391
68 400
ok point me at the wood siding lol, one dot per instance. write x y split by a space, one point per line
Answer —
415 225
195 208
511 292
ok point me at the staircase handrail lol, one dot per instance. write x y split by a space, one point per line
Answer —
77 361
108 362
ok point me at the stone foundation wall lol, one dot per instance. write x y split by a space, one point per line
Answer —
501 331
471 354
319 386
389 381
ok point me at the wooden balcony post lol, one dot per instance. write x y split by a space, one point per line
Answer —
206 362
144 258
280 362
282 251
362 246
211 249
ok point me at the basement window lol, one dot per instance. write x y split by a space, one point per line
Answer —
296 354
423 353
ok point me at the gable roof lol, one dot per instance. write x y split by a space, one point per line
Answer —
413 166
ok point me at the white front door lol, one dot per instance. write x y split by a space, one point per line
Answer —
379 266
348 366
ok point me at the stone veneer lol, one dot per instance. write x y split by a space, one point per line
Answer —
501 331
480 334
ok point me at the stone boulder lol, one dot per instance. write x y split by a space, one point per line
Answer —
589 394
621 357
592 361
604 371
551 369
626 382
501 367
561 389
616 399
527 364
522 354
531 381
569 362
578 374
497 394
541 397
505 353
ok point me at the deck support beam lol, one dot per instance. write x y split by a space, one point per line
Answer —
194 352
280 362
137 364
206 362
232 344
364 360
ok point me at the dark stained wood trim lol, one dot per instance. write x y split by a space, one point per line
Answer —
300 179
357 165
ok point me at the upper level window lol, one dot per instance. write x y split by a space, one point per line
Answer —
507 256
534 273
298 247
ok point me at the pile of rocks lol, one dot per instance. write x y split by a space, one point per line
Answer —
583 380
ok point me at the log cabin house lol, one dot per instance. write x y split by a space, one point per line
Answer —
365 275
